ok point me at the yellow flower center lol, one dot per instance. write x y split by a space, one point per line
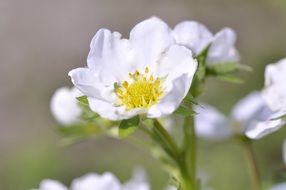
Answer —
143 90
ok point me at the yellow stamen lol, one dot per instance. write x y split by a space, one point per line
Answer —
142 92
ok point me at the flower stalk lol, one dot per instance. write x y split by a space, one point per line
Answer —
252 164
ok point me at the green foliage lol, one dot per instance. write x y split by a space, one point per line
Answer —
217 69
230 79
198 80
80 130
185 109
87 114
128 126
224 68
83 100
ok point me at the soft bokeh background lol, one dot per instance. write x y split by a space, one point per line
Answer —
41 40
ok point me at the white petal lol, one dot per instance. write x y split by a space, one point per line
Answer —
64 105
280 186
179 67
49 184
284 152
88 83
172 99
110 56
138 181
107 181
109 111
150 39
275 89
192 34
275 73
275 97
222 49
260 129
251 110
176 61
211 124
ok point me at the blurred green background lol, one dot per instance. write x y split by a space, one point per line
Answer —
41 40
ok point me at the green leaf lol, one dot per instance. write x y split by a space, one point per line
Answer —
185 111
231 79
203 55
128 126
190 99
218 69
83 100
224 68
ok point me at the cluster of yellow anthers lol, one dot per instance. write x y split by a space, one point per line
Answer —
142 91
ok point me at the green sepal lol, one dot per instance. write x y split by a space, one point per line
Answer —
128 126
83 100
202 57
185 111
87 113
224 68
190 99
199 77
217 69
231 79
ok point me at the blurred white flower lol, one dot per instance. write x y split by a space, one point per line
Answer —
197 37
222 49
255 116
274 91
64 105
211 124
280 186
145 74
49 184
252 114
194 35
106 181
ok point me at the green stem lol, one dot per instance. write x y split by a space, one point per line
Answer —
162 136
252 164
190 148
167 137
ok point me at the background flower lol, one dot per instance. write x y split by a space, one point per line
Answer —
64 105
275 89
106 181
197 37
250 116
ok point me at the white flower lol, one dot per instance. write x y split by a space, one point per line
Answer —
49 184
252 114
197 37
64 105
147 74
280 186
193 35
106 181
222 49
211 124
274 92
